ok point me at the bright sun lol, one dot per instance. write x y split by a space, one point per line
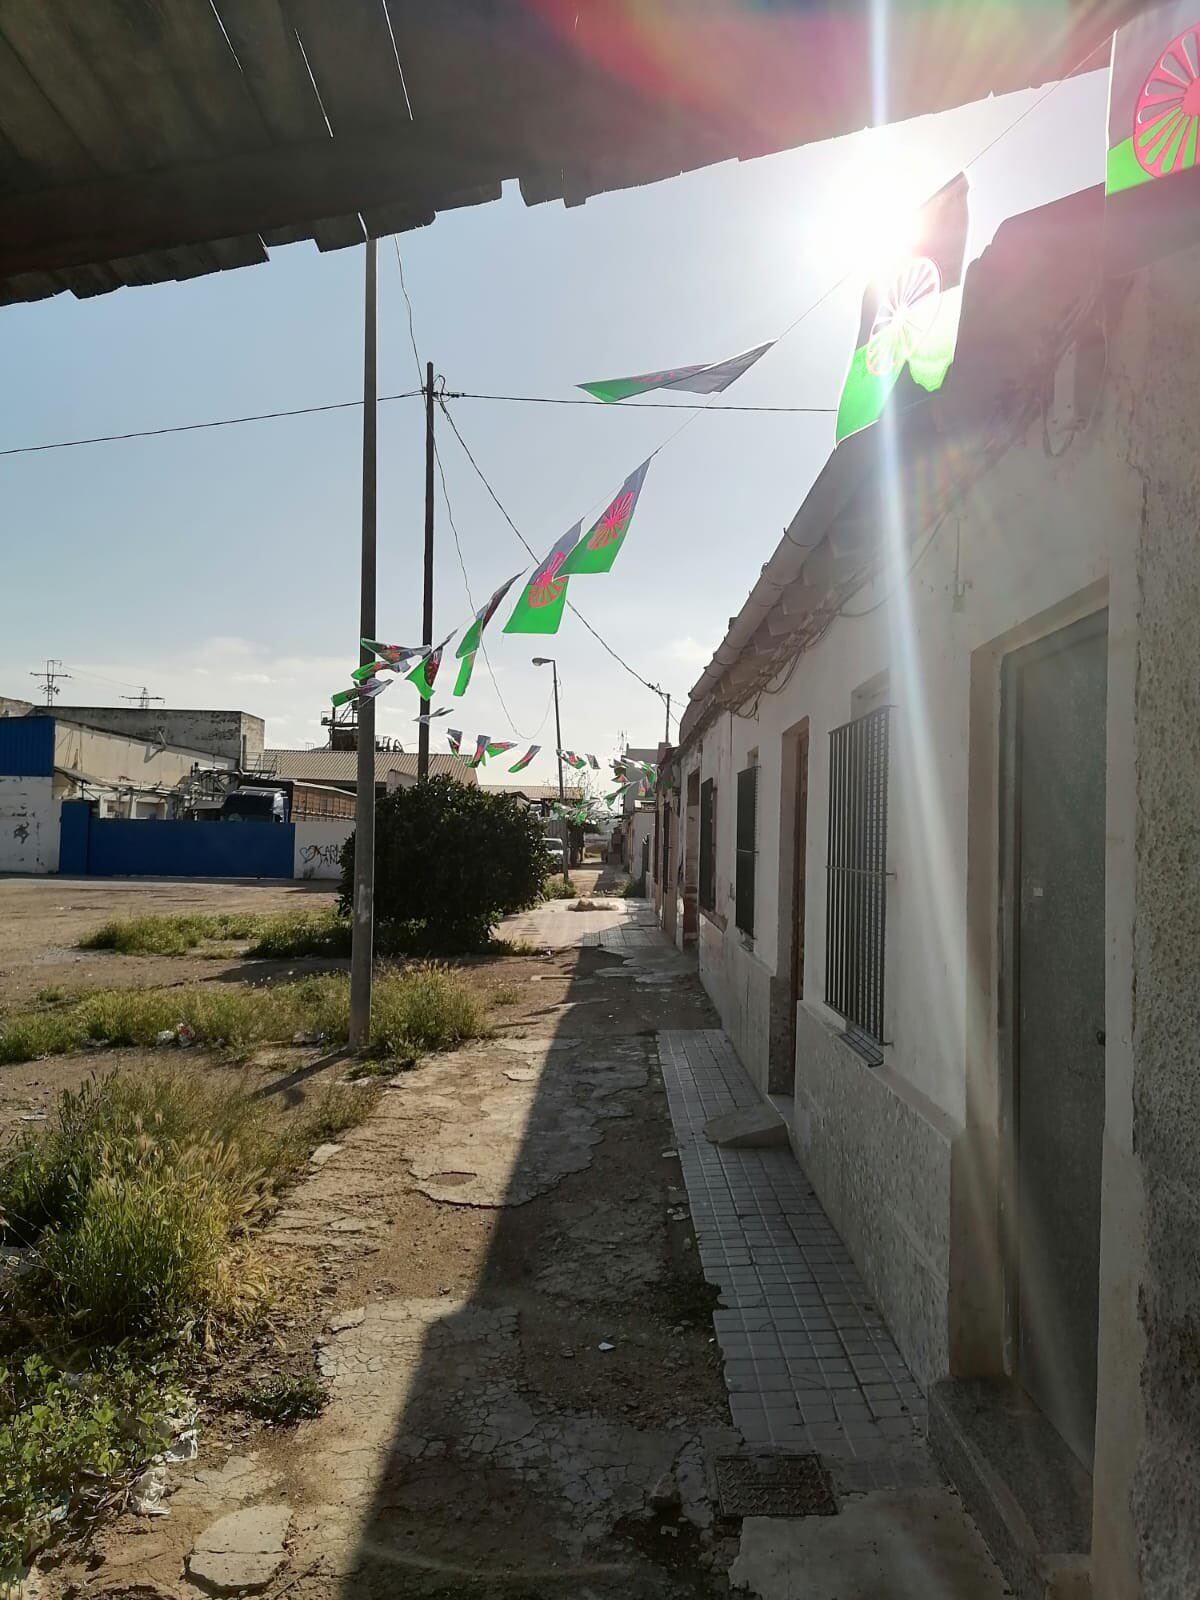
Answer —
872 218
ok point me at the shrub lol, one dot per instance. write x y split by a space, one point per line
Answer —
635 889
453 858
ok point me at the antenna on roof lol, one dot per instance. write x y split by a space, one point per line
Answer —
144 699
50 678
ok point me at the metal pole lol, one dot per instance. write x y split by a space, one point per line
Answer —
363 927
562 796
427 611
667 734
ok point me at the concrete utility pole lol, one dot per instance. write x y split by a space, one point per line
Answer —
50 678
427 610
363 924
549 661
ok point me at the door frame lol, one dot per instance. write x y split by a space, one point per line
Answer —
787 983
1008 990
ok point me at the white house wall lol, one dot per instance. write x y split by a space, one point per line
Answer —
29 816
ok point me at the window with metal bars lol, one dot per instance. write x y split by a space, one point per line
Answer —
747 849
708 865
855 919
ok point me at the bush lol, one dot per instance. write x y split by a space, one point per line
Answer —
169 936
453 858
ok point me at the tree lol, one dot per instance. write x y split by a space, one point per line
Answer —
453 858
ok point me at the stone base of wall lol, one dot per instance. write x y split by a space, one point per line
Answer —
740 987
878 1156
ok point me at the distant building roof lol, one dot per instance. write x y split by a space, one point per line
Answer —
341 766
539 791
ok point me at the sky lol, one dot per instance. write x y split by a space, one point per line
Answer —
220 568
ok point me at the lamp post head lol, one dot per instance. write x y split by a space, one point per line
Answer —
543 661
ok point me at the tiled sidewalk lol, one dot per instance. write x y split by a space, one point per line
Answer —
808 1360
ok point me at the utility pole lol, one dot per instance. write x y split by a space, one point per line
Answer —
549 661
667 733
49 679
144 699
363 924
427 609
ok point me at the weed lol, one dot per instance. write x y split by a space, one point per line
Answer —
338 1108
504 994
425 1008
635 889
513 947
50 997
295 934
65 1437
558 888
285 1398
134 1198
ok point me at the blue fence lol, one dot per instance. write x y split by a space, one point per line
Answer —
112 847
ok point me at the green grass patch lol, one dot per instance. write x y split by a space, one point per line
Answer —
68 1438
419 1008
285 1398
171 936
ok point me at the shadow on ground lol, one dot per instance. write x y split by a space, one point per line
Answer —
539 1429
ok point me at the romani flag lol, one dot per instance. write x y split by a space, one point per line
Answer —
1153 134
360 693
713 379
393 655
909 325
526 758
473 638
540 608
481 744
601 544
424 674
572 759
454 739
499 746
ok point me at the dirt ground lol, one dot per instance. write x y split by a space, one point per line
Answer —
494 1276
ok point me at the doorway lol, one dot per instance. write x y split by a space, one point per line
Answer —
1054 765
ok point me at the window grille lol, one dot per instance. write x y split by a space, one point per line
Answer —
747 848
857 878
708 876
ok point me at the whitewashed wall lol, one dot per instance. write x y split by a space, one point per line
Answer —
319 842
29 818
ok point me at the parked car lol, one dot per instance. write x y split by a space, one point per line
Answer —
554 853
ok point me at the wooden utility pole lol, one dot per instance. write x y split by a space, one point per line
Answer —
427 611
363 925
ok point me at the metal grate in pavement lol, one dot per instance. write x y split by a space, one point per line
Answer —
774 1486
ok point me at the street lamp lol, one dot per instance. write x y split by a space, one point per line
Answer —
549 661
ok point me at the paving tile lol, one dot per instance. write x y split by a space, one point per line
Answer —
808 1360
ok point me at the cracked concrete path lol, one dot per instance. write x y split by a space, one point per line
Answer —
524 1389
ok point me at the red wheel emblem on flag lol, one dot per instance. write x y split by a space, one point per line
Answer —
547 587
1166 119
613 523
907 307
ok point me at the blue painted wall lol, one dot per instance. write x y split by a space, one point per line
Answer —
26 747
116 848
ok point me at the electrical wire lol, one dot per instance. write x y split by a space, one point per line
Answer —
196 427
638 404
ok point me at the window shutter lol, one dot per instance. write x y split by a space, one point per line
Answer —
857 874
708 891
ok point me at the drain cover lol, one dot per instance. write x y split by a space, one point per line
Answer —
774 1486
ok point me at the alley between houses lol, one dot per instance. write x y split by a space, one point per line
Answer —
534 1391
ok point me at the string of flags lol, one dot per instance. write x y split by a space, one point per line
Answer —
486 746
542 600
